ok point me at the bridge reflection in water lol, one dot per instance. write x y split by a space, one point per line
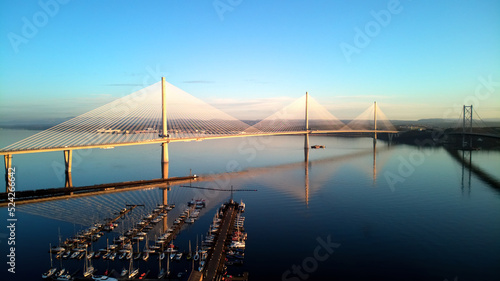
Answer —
86 210
464 157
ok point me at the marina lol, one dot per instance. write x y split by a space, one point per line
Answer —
222 247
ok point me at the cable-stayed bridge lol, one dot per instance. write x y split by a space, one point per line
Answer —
139 118
162 113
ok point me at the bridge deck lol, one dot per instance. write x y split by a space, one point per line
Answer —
201 138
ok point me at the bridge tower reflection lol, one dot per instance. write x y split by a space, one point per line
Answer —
466 169
374 161
306 175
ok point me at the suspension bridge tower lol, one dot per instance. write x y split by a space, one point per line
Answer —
467 127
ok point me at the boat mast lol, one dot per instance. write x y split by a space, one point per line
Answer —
50 254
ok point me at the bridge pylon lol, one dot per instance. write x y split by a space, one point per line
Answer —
306 125
467 127
164 133
8 171
375 121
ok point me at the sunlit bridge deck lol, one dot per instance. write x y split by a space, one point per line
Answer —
189 139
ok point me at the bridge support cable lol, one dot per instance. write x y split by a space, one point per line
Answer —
68 160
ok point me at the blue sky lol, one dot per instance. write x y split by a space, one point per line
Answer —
425 61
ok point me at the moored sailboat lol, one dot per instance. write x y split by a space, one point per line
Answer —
52 269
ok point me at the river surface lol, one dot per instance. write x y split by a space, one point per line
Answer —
351 212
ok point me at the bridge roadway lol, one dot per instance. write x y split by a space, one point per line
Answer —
169 140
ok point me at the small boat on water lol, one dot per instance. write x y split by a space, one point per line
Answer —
138 238
241 207
75 255
124 272
237 245
133 273
88 269
106 255
57 249
60 273
316 146
196 256
200 267
66 254
49 273
64 277
162 273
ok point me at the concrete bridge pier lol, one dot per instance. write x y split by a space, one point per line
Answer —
164 160
68 160
8 169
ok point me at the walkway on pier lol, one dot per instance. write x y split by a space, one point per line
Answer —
217 257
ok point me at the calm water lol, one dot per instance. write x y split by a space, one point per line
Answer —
413 214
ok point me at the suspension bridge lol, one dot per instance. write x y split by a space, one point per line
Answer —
163 114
